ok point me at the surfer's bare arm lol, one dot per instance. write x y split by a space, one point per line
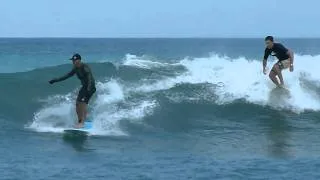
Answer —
264 63
291 56
68 75
267 52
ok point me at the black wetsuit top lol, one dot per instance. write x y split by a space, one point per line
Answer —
277 50
84 74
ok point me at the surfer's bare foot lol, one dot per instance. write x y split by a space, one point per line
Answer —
281 86
79 125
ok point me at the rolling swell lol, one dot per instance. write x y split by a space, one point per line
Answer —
186 116
191 95
187 108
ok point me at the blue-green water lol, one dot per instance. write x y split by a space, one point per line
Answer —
164 109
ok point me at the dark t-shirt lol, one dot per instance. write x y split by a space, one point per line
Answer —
277 50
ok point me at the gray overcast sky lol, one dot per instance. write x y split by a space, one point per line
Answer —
159 18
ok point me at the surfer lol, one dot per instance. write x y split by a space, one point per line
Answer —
88 88
285 60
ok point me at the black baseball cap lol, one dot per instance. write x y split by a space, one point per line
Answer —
76 57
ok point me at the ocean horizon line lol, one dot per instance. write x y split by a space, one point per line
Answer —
70 37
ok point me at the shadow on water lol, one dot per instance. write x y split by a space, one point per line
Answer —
279 97
77 141
278 134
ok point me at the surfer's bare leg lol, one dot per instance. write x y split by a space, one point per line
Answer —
82 113
85 111
273 77
82 100
278 70
79 114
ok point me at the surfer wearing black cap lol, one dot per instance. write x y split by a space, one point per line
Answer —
88 88
285 60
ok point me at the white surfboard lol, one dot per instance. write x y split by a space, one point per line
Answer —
84 130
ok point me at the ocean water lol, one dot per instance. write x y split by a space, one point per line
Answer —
164 109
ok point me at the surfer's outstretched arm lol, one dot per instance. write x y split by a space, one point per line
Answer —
68 75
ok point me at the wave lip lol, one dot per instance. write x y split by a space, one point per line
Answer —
243 79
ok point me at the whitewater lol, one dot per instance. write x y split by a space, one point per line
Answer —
228 80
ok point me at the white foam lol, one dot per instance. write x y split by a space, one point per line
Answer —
244 79
53 118
107 121
109 92
143 62
59 113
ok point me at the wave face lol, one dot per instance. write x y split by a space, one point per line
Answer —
139 94
153 84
